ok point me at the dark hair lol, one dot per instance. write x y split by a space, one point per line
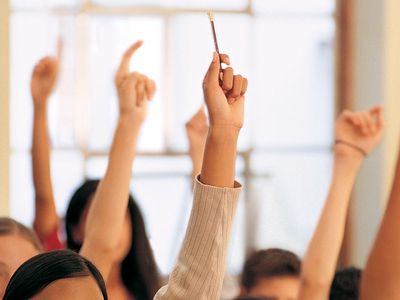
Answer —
9 226
345 285
269 263
41 270
138 270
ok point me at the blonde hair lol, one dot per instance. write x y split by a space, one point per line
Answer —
9 226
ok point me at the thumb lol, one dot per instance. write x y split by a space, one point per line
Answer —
212 76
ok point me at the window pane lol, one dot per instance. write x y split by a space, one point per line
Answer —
292 89
67 174
21 199
36 32
39 32
109 37
237 244
191 52
287 194
166 231
220 4
294 6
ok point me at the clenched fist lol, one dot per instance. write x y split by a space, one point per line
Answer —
44 78
225 99
360 131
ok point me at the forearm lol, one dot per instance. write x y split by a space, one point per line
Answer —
219 157
320 261
196 156
45 210
106 215
382 274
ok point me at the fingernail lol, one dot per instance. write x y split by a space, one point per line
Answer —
214 57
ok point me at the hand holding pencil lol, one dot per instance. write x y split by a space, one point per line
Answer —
224 100
228 82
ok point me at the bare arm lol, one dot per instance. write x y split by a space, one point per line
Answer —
381 276
364 130
44 77
225 105
107 212
197 130
200 268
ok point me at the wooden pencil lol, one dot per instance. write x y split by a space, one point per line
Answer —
211 17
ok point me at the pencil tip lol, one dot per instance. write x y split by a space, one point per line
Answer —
211 15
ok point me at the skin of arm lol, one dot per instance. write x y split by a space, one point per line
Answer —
197 130
44 78
381 275
364 130
199 271
225 105
107 212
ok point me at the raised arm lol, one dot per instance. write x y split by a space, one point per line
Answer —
200 268
357 134
196 131
107 213
43 80
381 277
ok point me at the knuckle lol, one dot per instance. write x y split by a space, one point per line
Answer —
228 70
227 85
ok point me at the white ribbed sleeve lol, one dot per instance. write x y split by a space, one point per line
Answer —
200 269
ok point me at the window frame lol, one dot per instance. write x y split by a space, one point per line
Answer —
88 8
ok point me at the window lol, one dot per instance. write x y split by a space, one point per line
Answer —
286 48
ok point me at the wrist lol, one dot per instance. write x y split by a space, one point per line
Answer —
40 104
346 149
351 158
127 121
224 132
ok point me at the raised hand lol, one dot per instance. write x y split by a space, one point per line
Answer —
44 78
134 89
43 81
197 129
106 219
358 132
215 192
225 103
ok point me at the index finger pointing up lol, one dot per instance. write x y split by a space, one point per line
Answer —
126 58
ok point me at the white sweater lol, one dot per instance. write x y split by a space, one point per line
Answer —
199 271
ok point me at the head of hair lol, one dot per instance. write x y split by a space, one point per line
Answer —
345 285
9 226
269 263
138 270
47 268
